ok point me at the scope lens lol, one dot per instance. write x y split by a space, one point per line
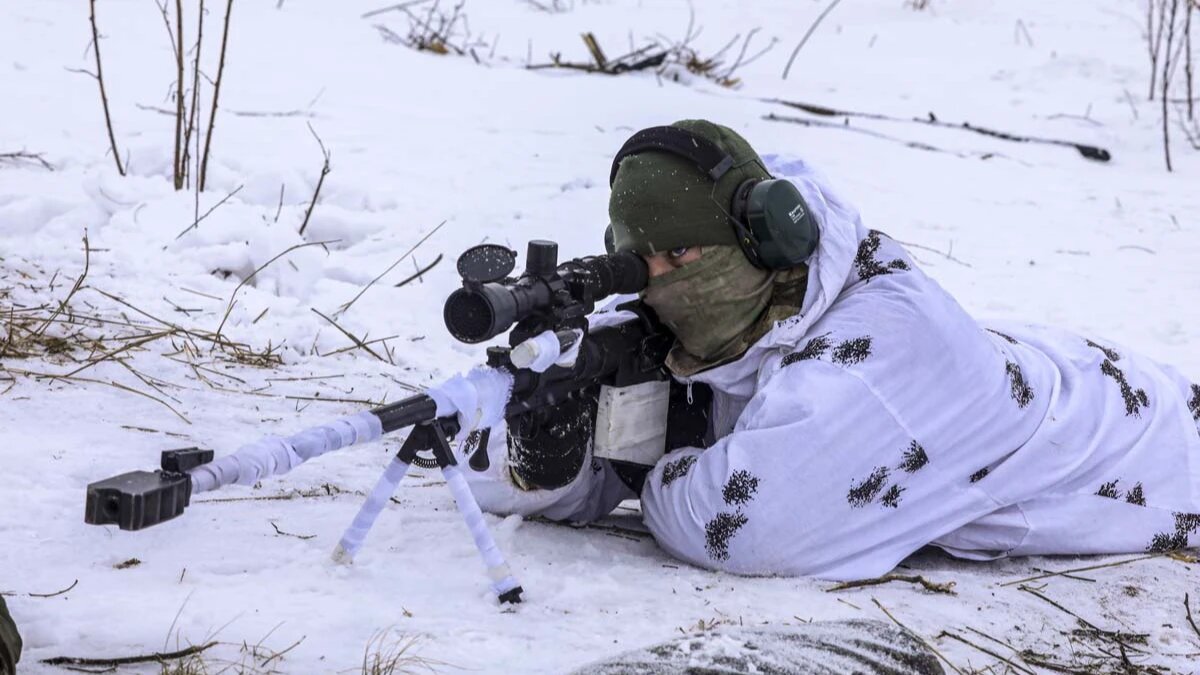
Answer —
469 316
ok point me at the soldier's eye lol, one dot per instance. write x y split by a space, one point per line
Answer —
678 252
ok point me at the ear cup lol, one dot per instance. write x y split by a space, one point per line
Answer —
737 210
781 224
610 240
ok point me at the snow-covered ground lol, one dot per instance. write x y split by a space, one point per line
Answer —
505 154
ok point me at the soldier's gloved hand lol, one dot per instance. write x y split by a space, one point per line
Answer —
548 447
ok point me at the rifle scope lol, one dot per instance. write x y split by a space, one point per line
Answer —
490 302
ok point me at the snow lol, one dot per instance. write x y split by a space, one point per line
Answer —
503 154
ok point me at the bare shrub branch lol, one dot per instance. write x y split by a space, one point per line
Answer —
112 139
212 117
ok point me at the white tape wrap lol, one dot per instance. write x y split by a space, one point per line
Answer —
385 487
497 568
479 398
274 455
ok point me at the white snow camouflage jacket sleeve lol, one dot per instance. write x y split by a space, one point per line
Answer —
883 418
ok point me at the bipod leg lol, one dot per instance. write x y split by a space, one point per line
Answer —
423 437
503 582
352 539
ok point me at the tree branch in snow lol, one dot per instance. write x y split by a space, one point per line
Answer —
43 595
946 588
320 181
23 156
1187 605
157 657
1088 151
177 169
212 117
99 75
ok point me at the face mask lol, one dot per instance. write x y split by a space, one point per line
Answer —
711 302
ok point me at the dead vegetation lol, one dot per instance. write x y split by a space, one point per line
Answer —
391 652
88 327
673 60
446 30
1169 25
189 158
437 29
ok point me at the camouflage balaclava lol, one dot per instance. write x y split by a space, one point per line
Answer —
661 201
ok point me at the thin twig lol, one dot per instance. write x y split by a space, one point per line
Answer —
112 139
421 272
87 259
45 595
158 657
811 30
289 534
212 118
1034 592
224 199
945 254
358 343
917 636
1188 607
1079 569
320 181
232 296
989 652
343 308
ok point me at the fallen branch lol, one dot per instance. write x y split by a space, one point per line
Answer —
916 145
289 534
1088 151
21 155
1080 569
1191 621
44 595
946 588
320 181
112 139
157 657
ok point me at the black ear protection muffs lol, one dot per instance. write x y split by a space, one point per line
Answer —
773 224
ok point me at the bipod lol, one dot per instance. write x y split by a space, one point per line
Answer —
432 436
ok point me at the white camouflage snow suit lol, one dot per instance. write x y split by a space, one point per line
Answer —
883 418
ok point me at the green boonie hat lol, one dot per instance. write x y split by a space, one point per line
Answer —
662 201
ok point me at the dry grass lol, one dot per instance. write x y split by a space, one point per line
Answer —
390 652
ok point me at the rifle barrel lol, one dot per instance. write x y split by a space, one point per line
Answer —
406 412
